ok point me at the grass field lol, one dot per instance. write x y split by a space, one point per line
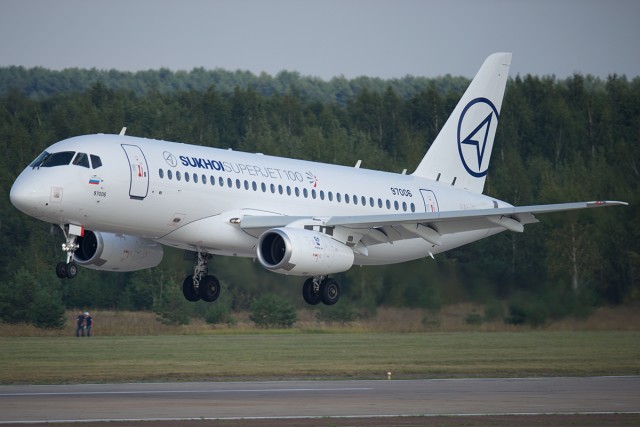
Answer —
273 355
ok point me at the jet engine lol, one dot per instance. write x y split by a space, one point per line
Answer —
302 252
116 252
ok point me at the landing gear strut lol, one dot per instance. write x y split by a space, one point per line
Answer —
69 269
321 289
201 285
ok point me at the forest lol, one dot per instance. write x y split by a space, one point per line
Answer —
559 140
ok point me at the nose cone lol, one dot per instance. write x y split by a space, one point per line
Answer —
26 195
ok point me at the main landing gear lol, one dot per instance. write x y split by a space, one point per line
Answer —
201 285
69 269
321 289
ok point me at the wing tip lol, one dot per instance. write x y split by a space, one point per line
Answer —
599 203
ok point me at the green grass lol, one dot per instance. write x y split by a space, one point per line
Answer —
41 360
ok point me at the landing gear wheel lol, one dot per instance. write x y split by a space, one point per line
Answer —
309 294
72 270
209 289
188 290
61 270
329 291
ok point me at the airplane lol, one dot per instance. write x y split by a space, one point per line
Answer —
118 199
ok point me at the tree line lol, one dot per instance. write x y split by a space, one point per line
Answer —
558 140
40 82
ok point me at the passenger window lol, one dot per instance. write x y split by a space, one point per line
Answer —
161 173
388 204
178 175
263 187
297 192
288 190
280 190
404 206
186 176
355 200
238 184
195 178
221 182
364 201
213 180
95 161
246 184
379 203
204 178
346 198
338 197
305 193
413 207
229 183
330 196
321 195
313 194
273 189
371 201
254 186
169 174
395 205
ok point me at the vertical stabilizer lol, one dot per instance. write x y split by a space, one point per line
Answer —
461 152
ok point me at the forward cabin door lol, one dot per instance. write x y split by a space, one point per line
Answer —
139 186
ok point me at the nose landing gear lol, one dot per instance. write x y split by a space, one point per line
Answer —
69 269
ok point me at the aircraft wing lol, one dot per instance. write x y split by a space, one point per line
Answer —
429 225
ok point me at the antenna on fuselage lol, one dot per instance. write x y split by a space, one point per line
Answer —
123 131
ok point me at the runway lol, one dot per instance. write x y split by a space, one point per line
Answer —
305 399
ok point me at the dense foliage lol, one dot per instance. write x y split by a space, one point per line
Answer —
558 140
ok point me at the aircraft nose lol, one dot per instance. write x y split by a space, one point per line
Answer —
26 195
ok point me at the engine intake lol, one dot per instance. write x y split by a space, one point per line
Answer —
302 252
116 252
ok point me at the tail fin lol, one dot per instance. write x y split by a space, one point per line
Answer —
460 153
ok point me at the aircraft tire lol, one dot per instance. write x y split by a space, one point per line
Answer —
309 296
61 270
188 291
71 270
209 289
329 291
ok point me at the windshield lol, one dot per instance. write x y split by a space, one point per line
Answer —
38 161
58 159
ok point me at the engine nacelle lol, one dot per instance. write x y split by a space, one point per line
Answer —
116 252
302 252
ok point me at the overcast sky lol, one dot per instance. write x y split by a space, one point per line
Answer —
324 38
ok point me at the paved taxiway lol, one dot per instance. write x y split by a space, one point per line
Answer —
280 399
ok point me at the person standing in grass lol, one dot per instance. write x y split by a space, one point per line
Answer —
80 324
88 321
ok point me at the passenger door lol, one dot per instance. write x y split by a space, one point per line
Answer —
139 185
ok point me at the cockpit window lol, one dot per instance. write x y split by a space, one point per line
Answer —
38 161
58 159
81 159
95 161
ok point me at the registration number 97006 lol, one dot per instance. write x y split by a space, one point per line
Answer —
401 192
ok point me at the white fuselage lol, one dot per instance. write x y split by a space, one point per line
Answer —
186 196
